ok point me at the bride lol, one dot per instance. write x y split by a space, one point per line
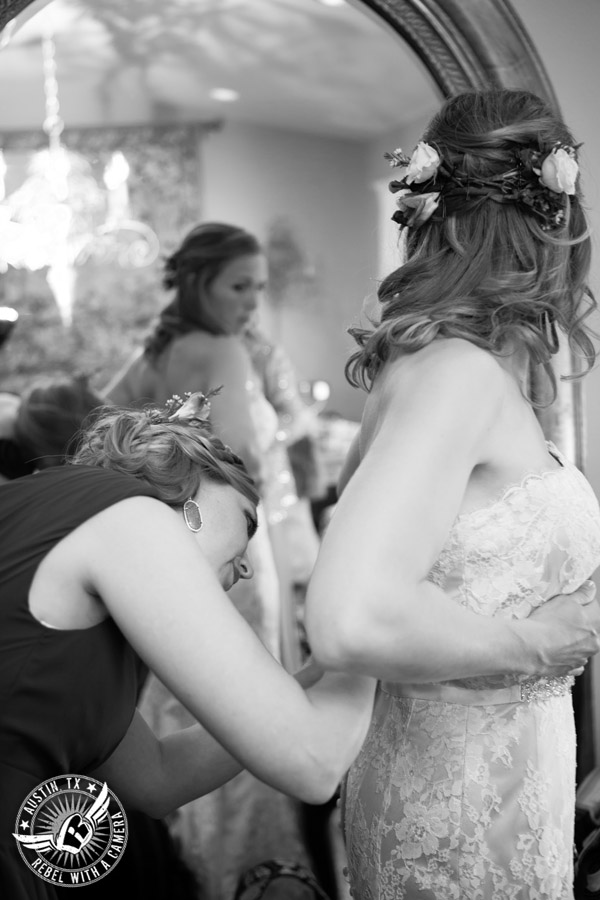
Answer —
457 518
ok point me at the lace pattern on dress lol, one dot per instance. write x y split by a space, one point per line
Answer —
451 800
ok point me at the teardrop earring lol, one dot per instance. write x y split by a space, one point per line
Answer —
192 515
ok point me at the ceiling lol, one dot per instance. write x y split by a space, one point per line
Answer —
306 65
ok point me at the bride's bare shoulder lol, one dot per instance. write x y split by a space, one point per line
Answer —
445 365
449 380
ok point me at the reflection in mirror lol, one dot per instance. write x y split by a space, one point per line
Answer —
273 114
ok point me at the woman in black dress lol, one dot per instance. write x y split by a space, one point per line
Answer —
128 551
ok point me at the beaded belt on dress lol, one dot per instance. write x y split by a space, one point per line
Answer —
524 692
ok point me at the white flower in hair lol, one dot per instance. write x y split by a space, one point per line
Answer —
559 170
416 208
423 165
193 405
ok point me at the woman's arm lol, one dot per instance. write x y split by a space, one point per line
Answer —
157 775
139 557
370 607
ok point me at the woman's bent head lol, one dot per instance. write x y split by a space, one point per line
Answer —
191 470
493 255
173 455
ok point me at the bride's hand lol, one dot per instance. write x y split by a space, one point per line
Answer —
567 631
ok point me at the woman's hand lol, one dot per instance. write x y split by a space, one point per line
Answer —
567 631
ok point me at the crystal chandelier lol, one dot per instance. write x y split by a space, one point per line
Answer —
60 217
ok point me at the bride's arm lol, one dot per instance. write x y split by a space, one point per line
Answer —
370 607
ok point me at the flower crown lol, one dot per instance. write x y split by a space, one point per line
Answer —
192 406
539 180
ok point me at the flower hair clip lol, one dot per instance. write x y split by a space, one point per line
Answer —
421 166
175 403
414 209
539 180
194 405
414 205
558 169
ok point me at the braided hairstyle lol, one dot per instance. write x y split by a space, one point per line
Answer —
189 271
171 455
487 272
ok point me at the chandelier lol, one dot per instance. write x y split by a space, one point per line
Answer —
61 217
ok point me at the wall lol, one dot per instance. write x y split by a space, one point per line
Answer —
253 174
334 193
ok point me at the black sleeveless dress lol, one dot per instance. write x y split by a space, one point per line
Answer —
66 697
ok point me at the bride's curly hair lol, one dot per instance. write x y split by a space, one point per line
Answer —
491 274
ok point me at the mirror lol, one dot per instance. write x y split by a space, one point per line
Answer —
220 119
291 151
323 88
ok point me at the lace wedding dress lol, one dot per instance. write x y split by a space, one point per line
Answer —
466 790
